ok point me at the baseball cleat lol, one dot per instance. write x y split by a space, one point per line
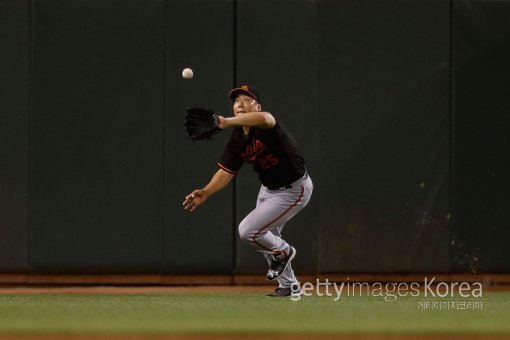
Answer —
277 267
280 292
293 291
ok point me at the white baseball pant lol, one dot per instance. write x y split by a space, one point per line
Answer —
262 227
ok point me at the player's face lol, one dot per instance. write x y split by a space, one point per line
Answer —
244 103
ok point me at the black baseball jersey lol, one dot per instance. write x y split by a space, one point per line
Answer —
274 154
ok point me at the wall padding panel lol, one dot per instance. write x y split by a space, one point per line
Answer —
384 136
481 50
14 108
200 36
96 159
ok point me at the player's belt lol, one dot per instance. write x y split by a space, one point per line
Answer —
288 186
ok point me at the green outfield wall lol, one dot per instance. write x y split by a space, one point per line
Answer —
401 109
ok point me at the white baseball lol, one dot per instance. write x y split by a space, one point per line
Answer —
187 73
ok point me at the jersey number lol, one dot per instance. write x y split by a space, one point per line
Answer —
268 161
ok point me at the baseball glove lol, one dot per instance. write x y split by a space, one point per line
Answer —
201 123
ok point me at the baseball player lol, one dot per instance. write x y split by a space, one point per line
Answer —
260 139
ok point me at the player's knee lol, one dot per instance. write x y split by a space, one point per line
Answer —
245 232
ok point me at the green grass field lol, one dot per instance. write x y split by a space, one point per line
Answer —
250 313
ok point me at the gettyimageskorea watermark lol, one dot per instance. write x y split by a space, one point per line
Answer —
392 291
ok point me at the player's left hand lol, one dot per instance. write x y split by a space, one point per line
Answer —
201 123
193 200
221 122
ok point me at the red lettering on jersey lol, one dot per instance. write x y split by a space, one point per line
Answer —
252 151
258 145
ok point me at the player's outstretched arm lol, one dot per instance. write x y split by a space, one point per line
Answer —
220 179
263 120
